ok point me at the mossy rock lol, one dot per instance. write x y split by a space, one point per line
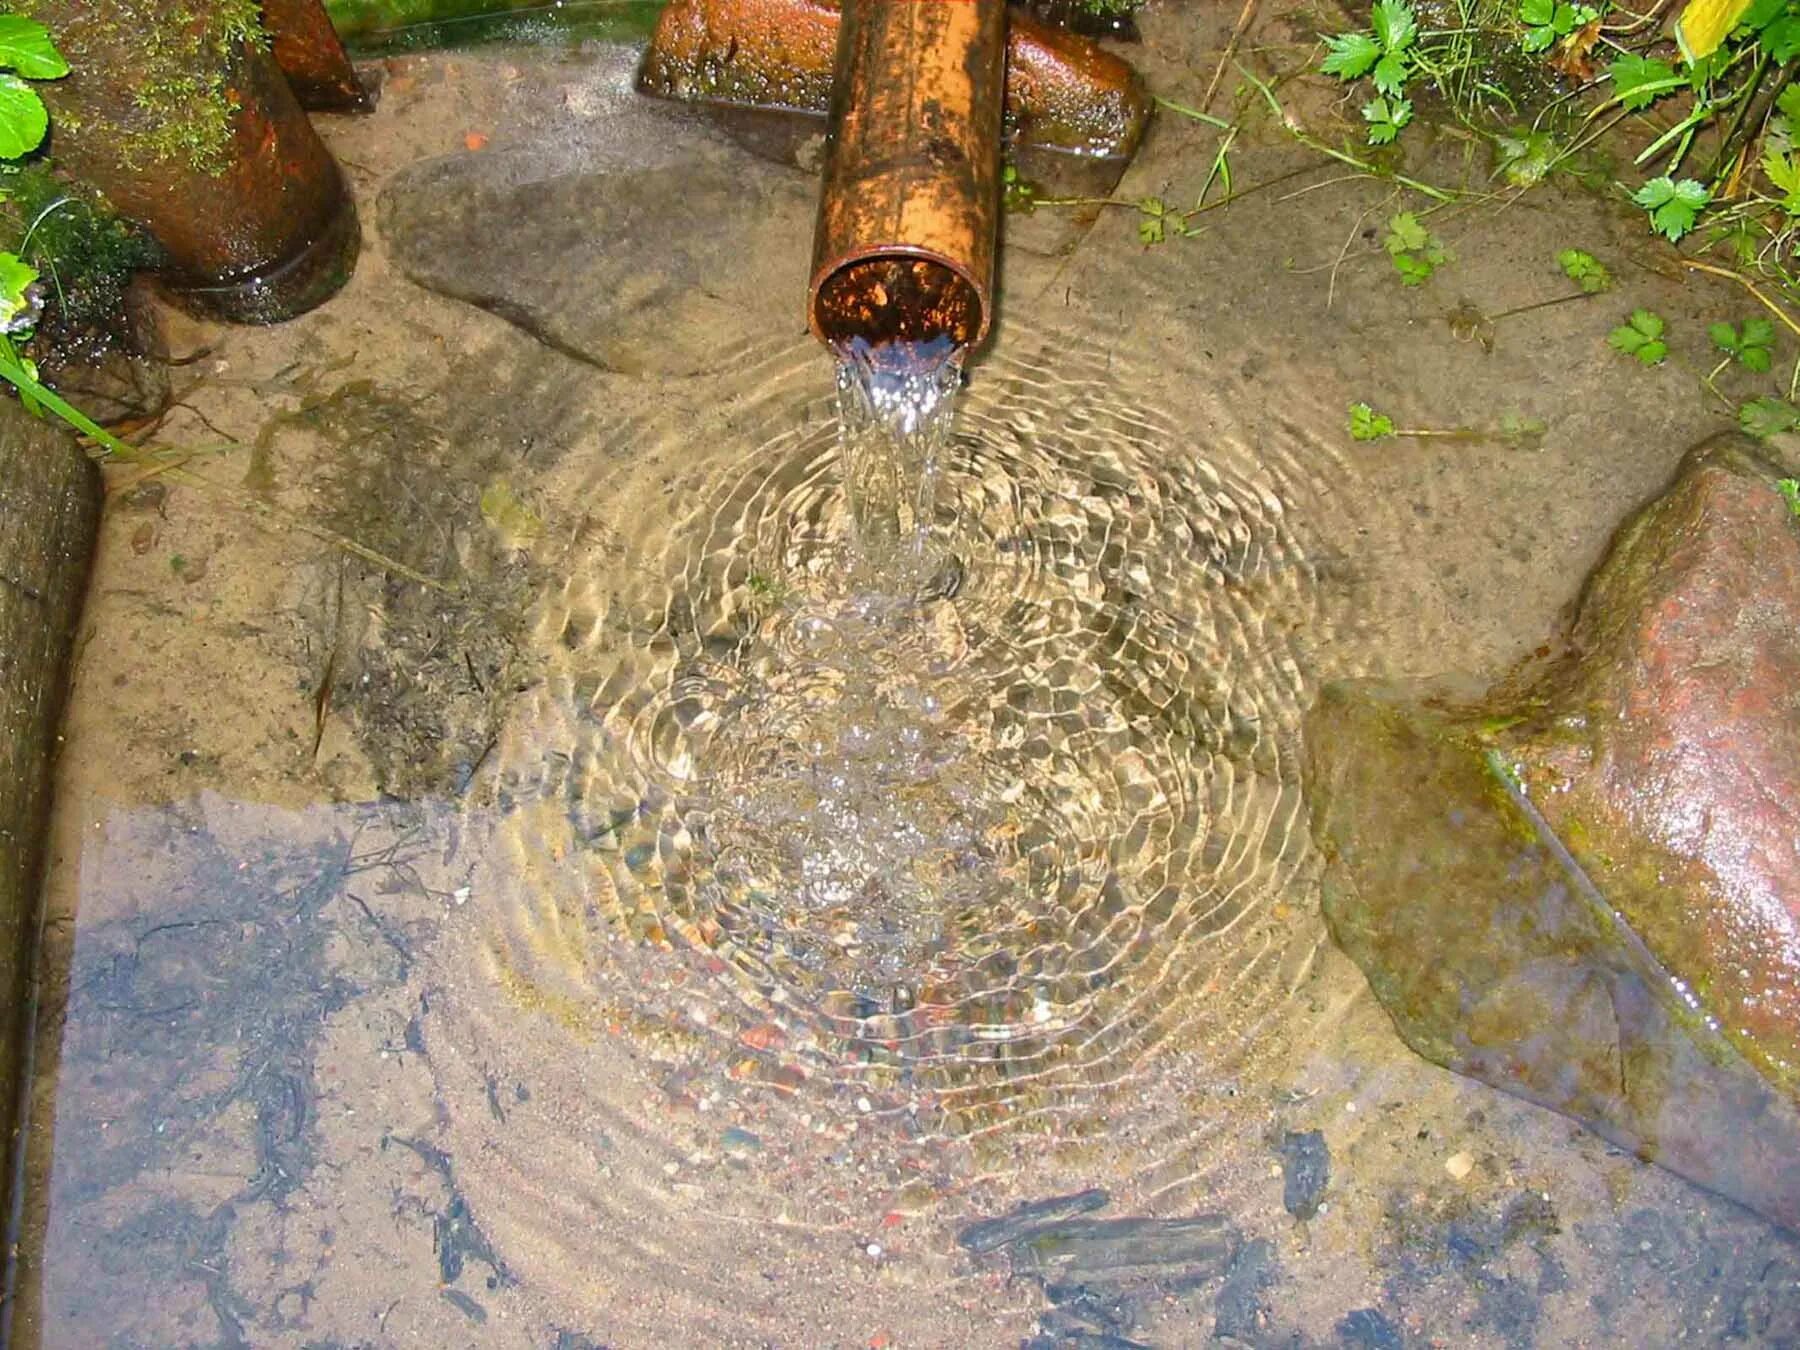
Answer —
1584 886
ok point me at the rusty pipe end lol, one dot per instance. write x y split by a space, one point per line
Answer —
910 204
898 294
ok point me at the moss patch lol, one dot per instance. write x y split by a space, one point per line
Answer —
175 60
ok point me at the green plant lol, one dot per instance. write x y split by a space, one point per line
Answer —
1768 416
1585 270
1640 336
1368 425
26 53
1547 21
1017 193
1673 206
1525 156
26 48
1384 53
1514 429
1415 251
1752 345
1789 488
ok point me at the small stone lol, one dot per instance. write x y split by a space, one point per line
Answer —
738 1142
1306 1163
1459 1165
874 1251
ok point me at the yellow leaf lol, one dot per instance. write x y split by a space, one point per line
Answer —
1704 24
516 523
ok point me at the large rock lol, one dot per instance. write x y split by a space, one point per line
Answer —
1584 887
669 269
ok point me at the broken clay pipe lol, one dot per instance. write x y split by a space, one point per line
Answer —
252 212
209 153
909 208
1062 92
312 56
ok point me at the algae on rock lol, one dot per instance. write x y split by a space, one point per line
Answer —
1584 887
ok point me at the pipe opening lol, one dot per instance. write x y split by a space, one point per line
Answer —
892 298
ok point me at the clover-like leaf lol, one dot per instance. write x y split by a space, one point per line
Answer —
1768 416
1395 25
1386 116
1368 425
1585 270
1673 206
1350 56
1639 81
1640 336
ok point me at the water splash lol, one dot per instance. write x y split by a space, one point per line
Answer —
896 406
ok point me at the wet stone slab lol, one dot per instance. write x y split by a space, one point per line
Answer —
621 269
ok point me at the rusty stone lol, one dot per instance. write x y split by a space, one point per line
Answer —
312 56
1583 887
226 173
1062 91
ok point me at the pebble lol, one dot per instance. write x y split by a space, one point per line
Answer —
1459 1165
740 1141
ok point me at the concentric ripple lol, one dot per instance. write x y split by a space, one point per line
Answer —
993 836
969 891
1003 859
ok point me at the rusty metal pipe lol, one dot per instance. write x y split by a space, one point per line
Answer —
904 248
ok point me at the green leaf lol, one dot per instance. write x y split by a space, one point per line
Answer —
1350 56
1537 13
1761 14
1522 431
1385 118
1783 171
1673 206
15 276
1788 103
1390 73
25 46
1781 39
1526 157
1640 336
1404 232
1639 81
1768 416
1153 214
1413 270
1537 39
1395 25
1752 347
1585 270
515 522
1368 425
23 120
1789 488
